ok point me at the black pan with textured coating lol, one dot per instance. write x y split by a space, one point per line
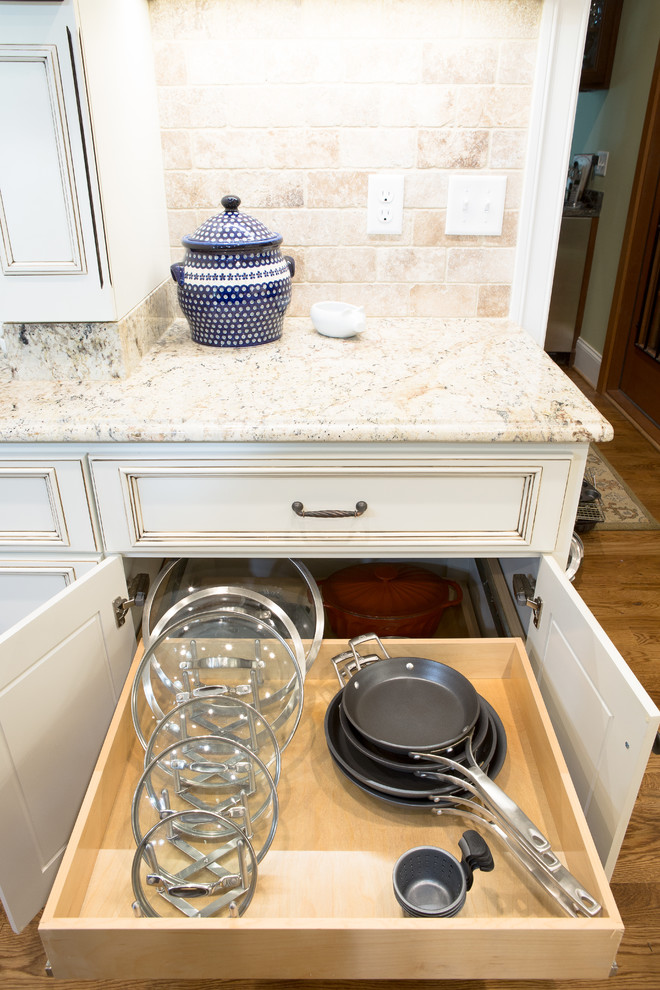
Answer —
411 704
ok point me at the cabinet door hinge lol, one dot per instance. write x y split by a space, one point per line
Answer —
137 591
523 590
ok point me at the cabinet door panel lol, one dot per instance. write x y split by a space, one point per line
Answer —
36 168
24 586
605 722
61 672
44 506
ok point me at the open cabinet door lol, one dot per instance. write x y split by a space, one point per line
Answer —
605 721
61 672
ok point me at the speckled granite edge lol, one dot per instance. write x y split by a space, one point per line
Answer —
402 380
96 351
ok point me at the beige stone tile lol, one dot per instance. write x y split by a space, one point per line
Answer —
494 300
176 149
170 63
411 264
181 223
266 106
480 264
187 19
421 18
230 148
517 62
493 106
185 191
242 61
420 105
315 228
267 19
351 264
443 300
377 148
426 189
349 19
305 294
308 60
380 298
457 62
382 60
336 188
452 149
501 18
270 189
508 148
192 106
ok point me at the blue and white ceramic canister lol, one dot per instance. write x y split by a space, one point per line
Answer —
234 284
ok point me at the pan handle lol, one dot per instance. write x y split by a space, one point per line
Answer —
365 638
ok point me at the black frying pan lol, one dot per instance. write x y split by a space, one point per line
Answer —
406 704
406 764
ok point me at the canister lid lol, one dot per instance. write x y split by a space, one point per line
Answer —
231 231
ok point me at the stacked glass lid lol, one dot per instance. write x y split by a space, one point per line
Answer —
216 699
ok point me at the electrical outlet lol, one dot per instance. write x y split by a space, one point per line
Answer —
475 204
600 168
385 204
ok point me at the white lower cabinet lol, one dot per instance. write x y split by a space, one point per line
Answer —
327 910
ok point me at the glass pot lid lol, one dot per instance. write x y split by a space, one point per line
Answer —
213 654
285 581
223 716
204 877
231 231
208 773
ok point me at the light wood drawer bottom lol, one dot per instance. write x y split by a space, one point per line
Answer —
324 906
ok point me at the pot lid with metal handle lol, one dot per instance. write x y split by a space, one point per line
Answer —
231 231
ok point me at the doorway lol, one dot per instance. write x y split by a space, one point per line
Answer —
630 372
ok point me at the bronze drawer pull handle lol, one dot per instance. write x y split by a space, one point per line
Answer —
300 510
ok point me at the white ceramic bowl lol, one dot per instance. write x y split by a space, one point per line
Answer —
338 319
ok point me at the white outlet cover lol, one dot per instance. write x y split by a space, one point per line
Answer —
385 204
475 205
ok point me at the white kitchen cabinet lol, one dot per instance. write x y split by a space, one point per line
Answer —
44 504
346 499
605 721
83 233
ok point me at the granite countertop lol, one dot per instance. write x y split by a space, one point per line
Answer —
401 380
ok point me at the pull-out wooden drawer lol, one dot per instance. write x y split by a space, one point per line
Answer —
334 501
44 506
324 906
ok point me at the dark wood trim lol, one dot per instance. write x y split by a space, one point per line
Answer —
598 75
635 416
634 241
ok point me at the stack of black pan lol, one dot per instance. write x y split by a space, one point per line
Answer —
400 706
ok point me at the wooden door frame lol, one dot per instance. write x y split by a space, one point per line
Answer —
632 250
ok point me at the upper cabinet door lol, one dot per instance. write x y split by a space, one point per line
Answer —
52 240
61 672
605 721
81 171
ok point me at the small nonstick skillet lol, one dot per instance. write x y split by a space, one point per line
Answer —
405 704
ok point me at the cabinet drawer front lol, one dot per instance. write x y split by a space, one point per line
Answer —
495 503
44 506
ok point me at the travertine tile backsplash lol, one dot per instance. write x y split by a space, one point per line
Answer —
290 104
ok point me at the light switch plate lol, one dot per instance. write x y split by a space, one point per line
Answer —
475 205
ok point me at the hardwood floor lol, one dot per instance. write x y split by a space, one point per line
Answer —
620 582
